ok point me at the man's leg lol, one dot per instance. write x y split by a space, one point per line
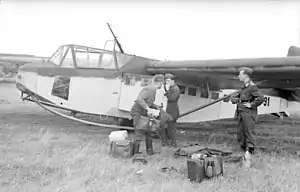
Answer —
241 133
163 137
172 134
149 144
137 135
249 124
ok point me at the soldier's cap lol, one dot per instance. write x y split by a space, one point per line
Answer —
159 78
247 70
169 76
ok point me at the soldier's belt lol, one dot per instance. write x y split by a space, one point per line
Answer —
244 101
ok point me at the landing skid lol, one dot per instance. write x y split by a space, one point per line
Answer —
44 105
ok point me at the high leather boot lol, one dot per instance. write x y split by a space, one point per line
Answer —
149 145
163 137
138 156
172 134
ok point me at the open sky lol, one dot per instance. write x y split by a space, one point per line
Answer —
160 30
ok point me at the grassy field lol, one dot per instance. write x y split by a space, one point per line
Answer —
43 152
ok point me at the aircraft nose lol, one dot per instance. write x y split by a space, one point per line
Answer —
27 75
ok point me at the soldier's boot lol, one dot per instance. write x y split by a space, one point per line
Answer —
149 146
136 147
138 157
172 135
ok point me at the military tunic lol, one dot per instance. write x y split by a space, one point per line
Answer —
168 134
245 116
145 99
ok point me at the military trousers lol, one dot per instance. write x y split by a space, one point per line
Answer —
246 132
168 134
140 134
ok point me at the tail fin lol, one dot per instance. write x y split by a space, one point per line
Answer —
293 51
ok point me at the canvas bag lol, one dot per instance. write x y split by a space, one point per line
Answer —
154 124
146 123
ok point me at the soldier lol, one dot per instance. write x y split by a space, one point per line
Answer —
173 95
247 102
142 105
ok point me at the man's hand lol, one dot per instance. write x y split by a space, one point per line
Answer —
149 111
248 105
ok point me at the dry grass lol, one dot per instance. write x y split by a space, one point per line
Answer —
41 152
61 162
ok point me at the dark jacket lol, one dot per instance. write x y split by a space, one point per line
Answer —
173 95
145 98
249 94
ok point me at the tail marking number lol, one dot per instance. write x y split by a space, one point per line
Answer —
267 101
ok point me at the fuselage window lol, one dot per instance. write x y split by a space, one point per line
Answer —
203 92
145 81
192 91
182 89
130 80
214 95
226 100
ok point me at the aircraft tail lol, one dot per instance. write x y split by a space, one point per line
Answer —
293 51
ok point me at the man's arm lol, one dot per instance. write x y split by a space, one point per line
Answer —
258 97
143 96
155 106
173 94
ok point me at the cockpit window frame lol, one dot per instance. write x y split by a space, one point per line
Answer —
88 49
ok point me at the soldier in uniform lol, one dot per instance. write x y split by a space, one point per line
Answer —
247 102
173 95
141 106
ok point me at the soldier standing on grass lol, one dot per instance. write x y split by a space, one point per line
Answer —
173 95
141 106
248 100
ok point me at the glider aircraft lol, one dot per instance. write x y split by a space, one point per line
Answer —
105 83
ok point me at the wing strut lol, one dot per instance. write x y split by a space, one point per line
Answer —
216 101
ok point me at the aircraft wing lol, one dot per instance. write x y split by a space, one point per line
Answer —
19 58
13 61
278 73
